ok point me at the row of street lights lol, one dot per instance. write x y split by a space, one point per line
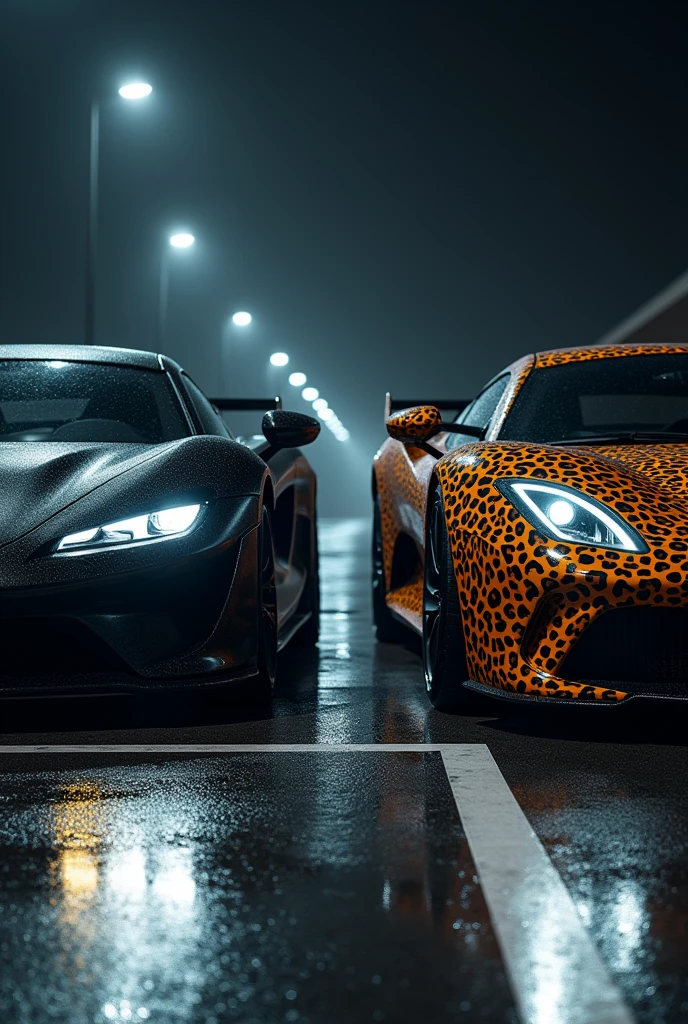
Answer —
310 394
132 91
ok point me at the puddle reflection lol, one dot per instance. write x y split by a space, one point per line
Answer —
253 884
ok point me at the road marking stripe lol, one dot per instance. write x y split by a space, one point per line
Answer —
555 971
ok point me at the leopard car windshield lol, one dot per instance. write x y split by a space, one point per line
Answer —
641 398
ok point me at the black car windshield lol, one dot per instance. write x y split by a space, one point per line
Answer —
53 400
576 400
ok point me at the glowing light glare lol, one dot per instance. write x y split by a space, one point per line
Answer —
182 240
242 319
168 522
135 90
79 872
525 490
127 872
125 1011
174 883
320 403
561 512
78 538
310 394
56 364
297 379
279 358
325 414
174 520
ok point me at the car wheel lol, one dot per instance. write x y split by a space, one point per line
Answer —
387 629
308 634
267 609
444 654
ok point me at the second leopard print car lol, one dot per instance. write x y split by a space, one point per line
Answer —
539 541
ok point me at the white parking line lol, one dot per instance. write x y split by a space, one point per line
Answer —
555 971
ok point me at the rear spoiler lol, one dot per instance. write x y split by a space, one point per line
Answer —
246 404
444 405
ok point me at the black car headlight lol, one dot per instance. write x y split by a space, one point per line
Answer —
566 514
161 525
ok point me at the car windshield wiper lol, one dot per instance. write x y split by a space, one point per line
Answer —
625 437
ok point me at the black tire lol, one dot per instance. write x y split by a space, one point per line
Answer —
267 610
387 629
444 652
309 634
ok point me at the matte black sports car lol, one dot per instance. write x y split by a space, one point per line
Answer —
141 545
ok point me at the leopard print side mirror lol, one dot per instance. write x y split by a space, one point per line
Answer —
414 426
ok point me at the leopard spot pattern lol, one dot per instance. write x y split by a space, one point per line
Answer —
555 357
417 422
525 598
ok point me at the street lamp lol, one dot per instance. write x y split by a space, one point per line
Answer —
242 319
135 90
181 240
279 358
131 91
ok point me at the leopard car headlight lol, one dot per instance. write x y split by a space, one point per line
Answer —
161 525
564 513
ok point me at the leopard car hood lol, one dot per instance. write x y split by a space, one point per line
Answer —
663 464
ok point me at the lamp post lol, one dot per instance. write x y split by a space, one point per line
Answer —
182 240
132 91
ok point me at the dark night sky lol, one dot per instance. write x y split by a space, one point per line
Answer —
406 196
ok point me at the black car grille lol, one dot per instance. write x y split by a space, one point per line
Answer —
40 648
640 650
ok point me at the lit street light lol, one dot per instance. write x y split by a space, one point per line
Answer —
242 319
297 379
135 90
310 394
279 358
180 240
131 91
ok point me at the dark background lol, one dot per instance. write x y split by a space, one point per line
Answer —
405 196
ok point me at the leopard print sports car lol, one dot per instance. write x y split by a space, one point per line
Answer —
538 542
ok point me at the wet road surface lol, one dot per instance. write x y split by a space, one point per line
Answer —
279 884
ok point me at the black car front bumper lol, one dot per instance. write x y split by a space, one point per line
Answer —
180 612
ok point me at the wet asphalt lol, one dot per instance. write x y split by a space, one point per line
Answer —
285 886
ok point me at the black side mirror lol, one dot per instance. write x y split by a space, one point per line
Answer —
284 429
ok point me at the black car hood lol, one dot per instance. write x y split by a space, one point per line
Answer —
39 479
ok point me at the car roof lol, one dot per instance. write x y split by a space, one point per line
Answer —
84 354
585 353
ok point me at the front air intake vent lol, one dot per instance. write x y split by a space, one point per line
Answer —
640 650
